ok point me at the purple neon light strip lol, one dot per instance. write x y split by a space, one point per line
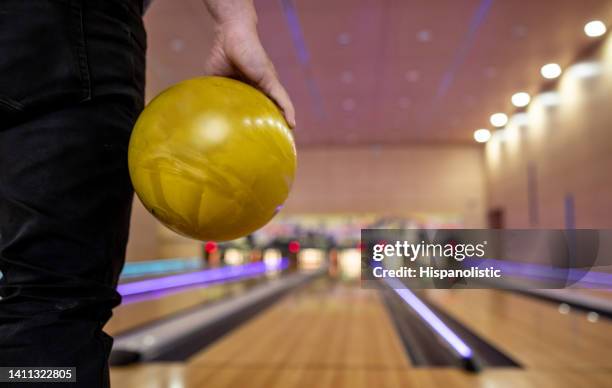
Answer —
200 277
430 318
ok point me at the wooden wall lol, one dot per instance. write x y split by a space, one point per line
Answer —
422 179
552 165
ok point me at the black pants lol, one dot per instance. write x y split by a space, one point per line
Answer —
71 87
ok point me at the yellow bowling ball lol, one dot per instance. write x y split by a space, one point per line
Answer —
212 158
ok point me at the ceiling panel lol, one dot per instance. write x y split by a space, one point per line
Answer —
388 71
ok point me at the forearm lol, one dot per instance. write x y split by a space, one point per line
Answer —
230 11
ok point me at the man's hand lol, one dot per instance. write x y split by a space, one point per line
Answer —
237 51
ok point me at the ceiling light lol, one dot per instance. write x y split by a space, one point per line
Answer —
482 135
177 45
347 77
344 39
404 102
498 119
348 104
412 76
550 71
424 36
520 31
520 99
595 28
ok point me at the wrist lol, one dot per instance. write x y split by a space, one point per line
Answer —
232 12
235 24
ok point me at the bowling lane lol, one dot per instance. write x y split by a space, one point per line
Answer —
176 375
323 334
535 333
332 335
322 325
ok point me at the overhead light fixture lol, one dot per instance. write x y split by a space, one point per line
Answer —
412 76
348 104
404 102
498 119
177 45
347 77
551 71
520 31
482 135
344 39
424 36
595 28
521 99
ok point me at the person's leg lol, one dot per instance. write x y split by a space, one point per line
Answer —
71 87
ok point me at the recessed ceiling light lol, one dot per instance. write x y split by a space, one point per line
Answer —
344 39
348 104
412 76
404 102
498 119
595 28
424 36
550 71
177 45
521 99
347 77
520 31
482 135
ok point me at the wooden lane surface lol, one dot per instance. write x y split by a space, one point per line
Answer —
320 326
534 332
324 334
129 316
345 340
193 376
